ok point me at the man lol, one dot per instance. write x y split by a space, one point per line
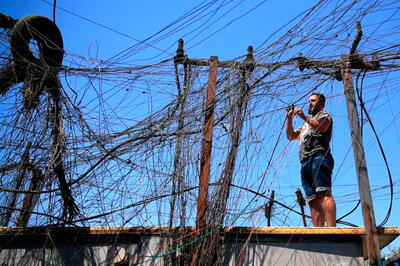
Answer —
315 158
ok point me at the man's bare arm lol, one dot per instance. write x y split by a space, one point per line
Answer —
291 134
321 125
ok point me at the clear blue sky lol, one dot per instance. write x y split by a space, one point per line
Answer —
101 30
141 19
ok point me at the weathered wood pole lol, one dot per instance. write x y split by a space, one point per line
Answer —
207 144
359 156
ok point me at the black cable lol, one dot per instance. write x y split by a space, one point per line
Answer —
381 149
54 11
106 27
350 212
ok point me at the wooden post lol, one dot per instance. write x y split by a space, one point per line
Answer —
372 242
29 200
18 181
207 144
361 169
268 208
302 202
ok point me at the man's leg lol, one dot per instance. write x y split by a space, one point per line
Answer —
317 213
329 208
322 173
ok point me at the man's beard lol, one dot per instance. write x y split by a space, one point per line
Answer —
313 110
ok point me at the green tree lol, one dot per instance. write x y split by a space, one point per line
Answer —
392 251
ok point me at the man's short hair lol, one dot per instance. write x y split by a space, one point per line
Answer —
321 97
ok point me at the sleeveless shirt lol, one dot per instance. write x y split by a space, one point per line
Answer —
312 141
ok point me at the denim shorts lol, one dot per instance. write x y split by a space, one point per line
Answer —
316 174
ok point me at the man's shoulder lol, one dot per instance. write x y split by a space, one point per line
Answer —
323 115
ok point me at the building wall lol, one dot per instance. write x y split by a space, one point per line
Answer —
147 249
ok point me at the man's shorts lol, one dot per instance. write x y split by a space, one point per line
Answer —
316 174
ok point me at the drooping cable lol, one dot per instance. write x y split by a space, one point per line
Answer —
358 90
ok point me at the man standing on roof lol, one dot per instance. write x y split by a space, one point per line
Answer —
315 158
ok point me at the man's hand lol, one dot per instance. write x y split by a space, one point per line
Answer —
291 134
321 125
300 113
289 111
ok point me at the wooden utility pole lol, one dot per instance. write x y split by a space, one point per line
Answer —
205 163
361 169
245 68
207 144
30 199
372 242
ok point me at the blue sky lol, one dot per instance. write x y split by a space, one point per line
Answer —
112 31
141 19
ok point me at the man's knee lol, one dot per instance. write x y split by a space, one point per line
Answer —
315 203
